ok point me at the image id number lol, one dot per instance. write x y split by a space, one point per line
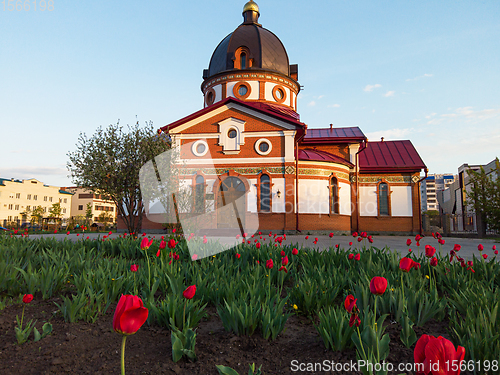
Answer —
27 5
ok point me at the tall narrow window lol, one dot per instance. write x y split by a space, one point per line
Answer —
243 60
265 193
199 194
383 199
334 196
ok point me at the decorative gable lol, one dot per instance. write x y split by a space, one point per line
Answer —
231 135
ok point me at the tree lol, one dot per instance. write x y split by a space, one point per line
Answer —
108 163
484 196
55 211
88 214
26 215
36 215
105 217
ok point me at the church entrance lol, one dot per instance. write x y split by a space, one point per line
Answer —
233 216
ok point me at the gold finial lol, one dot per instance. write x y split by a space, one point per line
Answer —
251 5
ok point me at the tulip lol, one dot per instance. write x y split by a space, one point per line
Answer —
485 256
163 245
494 247
205 240
130 315
360 239
408 242
370 239
269 264
189 292
357 257
406 264
429 251
171 243
158 253
496 252
257 245
480 247
350 256
295 251
378 285
331 234
282 253
441 241
238 256
284 261
194 257
350 303
354 320
283 268
350 243
434 262
27 298
434 353
457 247
307 237
418 237
364 234
145 244
355 234
134 267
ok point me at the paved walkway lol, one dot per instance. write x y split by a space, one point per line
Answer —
398 243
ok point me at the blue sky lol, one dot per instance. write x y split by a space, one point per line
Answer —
428 71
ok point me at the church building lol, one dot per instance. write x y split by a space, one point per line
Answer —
248 140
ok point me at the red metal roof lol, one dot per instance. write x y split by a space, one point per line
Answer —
390 155
316 155
267 109
334 135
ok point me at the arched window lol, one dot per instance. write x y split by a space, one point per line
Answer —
383 199
243 60
199 194
265 193
334 196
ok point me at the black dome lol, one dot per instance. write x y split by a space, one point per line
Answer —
266 50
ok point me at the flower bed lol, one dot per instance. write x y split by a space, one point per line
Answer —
263 302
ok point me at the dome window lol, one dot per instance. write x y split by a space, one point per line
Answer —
243 60
241 90
210 97
232 133
279 94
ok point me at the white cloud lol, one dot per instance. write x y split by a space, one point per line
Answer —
389 93
369 88
426 75
431 115
390 134
321 96
334 106
312 103
464 113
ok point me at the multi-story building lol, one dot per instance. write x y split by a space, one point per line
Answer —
19 198
430 187
86 202
453 200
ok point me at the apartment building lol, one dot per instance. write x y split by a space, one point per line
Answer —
19 198
84 200
430 187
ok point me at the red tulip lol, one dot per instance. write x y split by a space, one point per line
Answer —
158 252
315 242
436 356
378 285
134 267
408 242
418 237
354 320
457 247
130 315
307 237
284 261
370 239
480 247
350 243
67 233
238 256
189 292
355 234
163 245
283 268
205 240
357 257
257 245
171 243
485 256
27 298
282 253
350 256
364 234
494 247
359 239
434 262
295 251
331 234
496 252
145 243
441 241
350 303
269 264
429 251
406 264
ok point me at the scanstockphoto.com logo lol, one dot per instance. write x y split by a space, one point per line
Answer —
178 187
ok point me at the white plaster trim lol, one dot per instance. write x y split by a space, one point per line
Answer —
194 145
263 140
249 161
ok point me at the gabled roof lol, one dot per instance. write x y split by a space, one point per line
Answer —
334 135
390 156
317 155
269 110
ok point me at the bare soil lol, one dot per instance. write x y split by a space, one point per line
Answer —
85 348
